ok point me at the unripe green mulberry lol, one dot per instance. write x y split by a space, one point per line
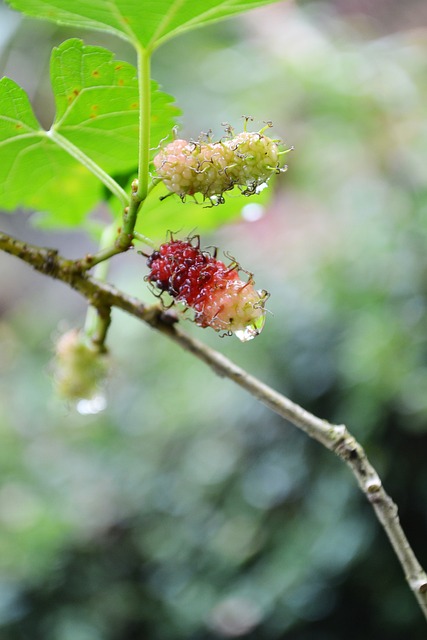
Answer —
79 370
256 158
187 168
212 168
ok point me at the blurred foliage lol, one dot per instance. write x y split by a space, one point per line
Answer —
185 510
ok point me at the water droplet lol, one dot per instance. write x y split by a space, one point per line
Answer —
252 330
92 406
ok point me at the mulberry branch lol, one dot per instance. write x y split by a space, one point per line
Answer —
334 437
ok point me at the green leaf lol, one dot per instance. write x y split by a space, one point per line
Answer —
34 172
147 22
157 216
96 100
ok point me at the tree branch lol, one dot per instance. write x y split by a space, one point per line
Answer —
334 437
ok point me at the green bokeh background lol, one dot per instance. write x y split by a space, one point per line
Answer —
185 510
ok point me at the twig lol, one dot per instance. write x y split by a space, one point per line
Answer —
334 437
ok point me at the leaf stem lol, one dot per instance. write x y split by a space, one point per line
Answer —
97 322
144 88
145 240
91 260
98 318
140 187
106 250
81 157
153 185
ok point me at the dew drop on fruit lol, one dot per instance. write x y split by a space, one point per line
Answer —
252 330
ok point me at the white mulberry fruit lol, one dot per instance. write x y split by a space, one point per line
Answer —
187 168
256 158
212 168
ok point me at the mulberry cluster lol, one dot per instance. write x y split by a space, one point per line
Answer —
246 160
220 299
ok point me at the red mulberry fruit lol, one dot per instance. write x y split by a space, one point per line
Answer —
220 299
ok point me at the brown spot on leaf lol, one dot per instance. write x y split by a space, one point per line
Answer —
18 126
72 96
95 73
134 105
118 67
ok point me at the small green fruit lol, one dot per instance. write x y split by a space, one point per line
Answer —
79 370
